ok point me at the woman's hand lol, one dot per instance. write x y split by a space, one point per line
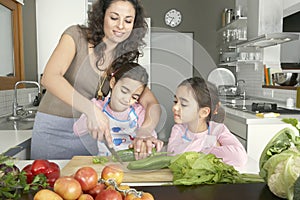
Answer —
98 125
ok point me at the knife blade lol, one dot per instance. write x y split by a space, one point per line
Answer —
113 152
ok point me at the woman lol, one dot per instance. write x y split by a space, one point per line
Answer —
115 31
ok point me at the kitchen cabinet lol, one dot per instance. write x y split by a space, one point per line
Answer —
253 132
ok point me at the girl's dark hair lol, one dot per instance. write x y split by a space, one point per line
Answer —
129 49
205 93
130 70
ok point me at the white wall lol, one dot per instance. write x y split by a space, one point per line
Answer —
290 7
52 18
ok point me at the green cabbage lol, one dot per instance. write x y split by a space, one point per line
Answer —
279 162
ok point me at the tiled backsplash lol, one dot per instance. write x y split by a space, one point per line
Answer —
254 78
25 97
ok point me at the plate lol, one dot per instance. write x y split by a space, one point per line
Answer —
221 76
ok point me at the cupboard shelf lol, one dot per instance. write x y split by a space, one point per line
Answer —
229 37
280 87
237 62
240 22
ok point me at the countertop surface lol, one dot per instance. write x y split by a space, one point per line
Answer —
13 138
250 167
253 191
251 118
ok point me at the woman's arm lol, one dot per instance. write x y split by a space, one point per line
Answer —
53 80
152 116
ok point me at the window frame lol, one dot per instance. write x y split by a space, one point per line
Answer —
6 82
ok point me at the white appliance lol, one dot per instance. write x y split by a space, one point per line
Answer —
171 63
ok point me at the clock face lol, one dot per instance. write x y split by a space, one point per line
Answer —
173 18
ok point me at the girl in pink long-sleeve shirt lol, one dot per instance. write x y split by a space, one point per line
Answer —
196 103
123 111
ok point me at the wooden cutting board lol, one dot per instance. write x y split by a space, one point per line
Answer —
130 176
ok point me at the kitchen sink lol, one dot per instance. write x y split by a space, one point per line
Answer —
15 123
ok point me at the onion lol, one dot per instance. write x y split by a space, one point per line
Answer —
5 169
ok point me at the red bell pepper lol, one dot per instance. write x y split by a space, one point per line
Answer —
50 169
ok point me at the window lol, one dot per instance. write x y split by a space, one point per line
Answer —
11 44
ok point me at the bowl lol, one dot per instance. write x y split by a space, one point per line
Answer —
286 79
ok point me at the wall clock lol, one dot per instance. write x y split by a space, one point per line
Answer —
173 18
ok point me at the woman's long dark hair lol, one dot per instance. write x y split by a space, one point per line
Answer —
131 48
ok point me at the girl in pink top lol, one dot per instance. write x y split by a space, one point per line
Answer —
194 106
125 114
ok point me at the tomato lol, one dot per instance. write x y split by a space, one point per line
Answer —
113 172
29 175
39 166
46 194
123 187
87 177
50 169
109 194
97 189
67 187
145 196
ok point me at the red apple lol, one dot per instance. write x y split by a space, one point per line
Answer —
97 189
109 194
87 177
113 172
67 187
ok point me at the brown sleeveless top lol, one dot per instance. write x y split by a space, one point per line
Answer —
80 75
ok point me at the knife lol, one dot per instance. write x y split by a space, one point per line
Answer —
113 152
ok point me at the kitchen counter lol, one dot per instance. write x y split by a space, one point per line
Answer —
251 118
251 191
255 132
251 167
14 141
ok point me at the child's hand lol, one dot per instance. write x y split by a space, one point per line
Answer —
141 146
218 144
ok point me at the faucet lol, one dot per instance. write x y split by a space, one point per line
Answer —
241 87
242 91
15 106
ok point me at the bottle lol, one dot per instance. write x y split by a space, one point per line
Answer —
298 98
224 17
228 16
